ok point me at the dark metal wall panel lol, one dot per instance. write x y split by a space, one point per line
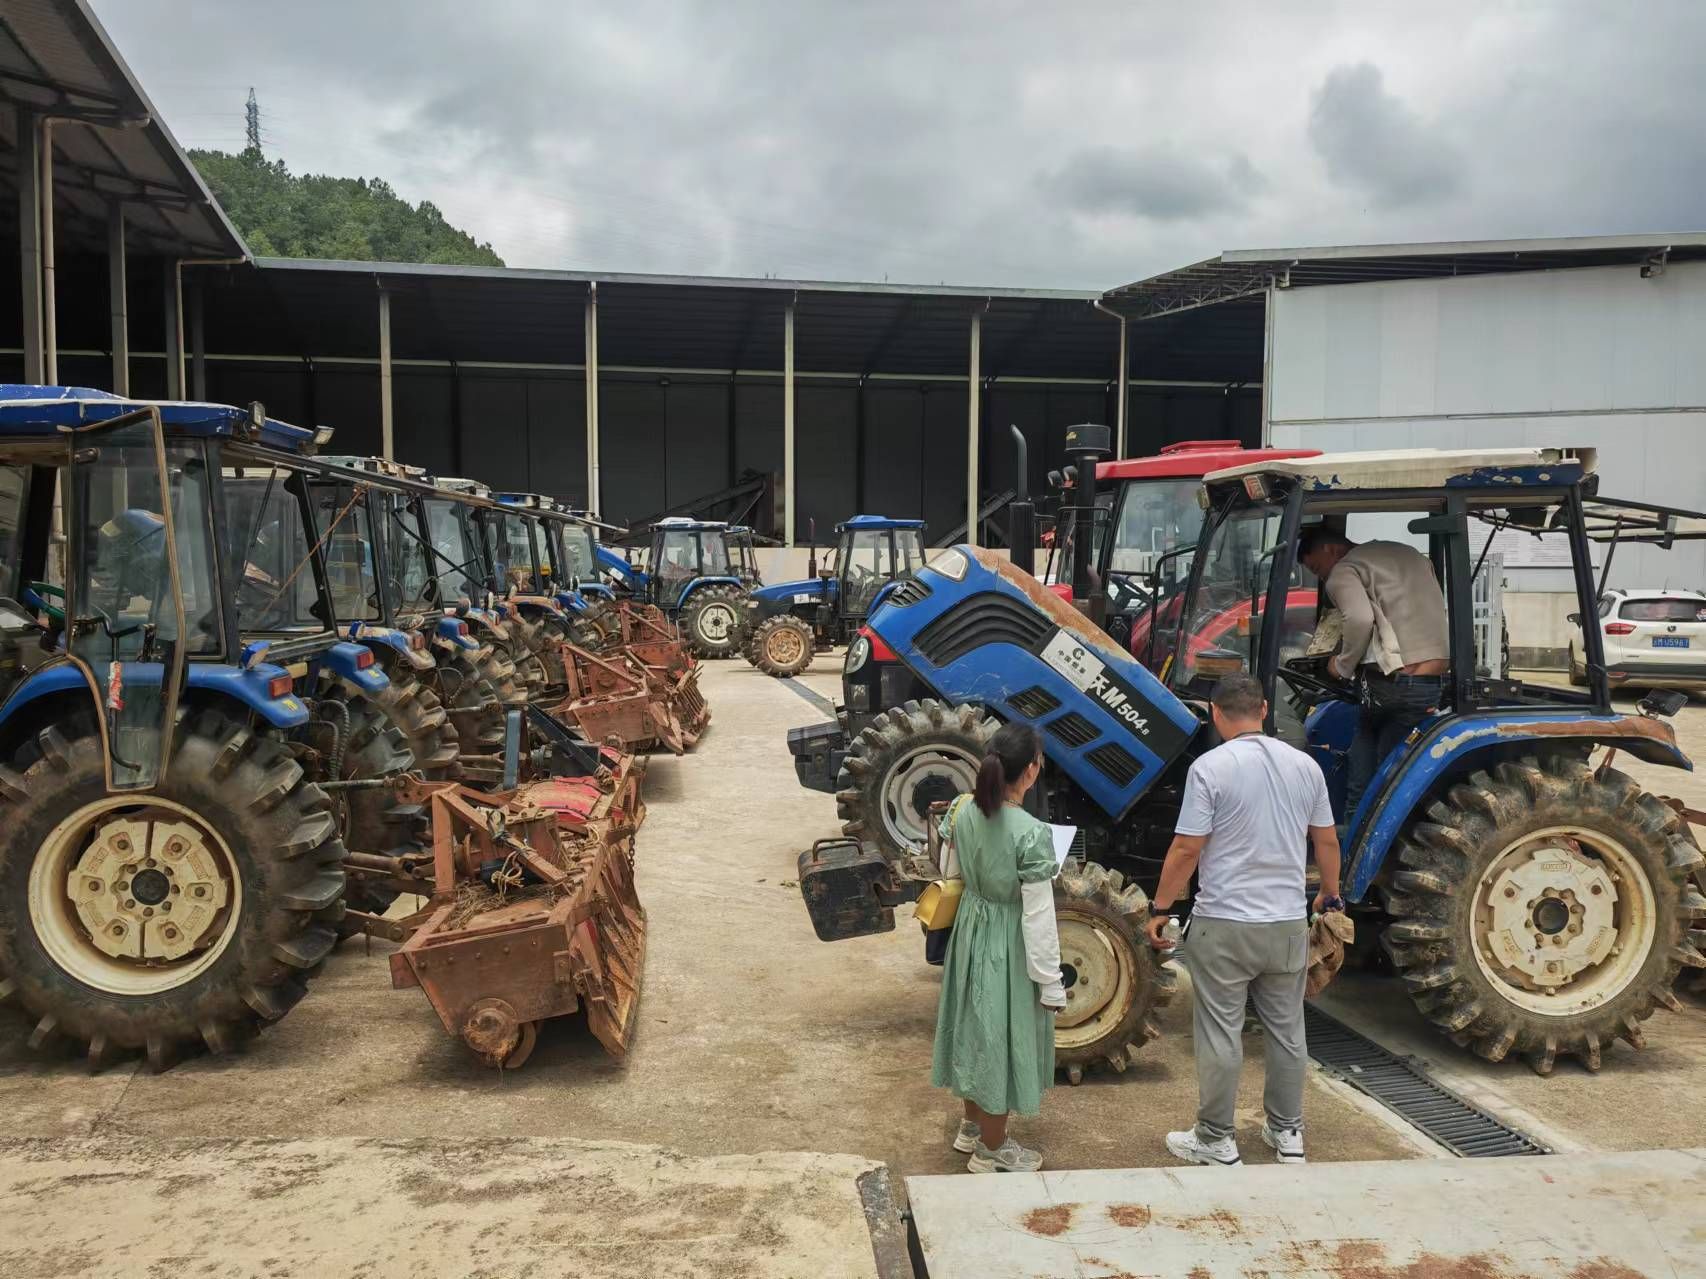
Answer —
494 429
631 417
556 437
347 399
423 413
281 387
825 463
758 427
696 439
894 450
944 469
1166 415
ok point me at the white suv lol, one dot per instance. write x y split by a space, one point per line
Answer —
1652 639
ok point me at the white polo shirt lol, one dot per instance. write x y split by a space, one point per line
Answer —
1255 798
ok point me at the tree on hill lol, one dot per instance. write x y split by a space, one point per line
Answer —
313 216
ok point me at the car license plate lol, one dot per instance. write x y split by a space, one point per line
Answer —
1670 641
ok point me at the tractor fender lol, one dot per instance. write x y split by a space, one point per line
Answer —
248 686
598 590
343 660
389 637
1449 746
700 583
571 601
453 632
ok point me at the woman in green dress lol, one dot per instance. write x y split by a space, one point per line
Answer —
1001 983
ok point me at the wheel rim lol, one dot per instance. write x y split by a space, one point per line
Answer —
716 621
924 776
1100 976
134 899
784 647
1563 921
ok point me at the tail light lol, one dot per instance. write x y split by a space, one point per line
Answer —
417 640
364 659
279 686
462 630
1619 628
880 651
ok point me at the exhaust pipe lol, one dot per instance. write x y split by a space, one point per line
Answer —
1086 444
1022 513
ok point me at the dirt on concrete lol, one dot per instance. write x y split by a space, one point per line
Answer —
423 1207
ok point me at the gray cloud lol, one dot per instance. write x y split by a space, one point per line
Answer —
1372 141
967 141
1160 183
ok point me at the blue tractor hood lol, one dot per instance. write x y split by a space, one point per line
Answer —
977 630
784 592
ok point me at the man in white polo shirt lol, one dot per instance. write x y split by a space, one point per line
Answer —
1252 806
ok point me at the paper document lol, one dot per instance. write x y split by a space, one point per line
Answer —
1063 837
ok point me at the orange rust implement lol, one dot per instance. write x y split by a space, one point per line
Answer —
533 913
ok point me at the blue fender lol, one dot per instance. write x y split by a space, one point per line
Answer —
1447 746
980 638
598 590
343 660
571 601
454 631
699 583
1327 733
247 686
390 637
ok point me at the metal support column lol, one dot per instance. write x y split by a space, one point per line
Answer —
1124 393
198 343
173 292
49 298
593 495
974 381
29 238
387 438
118 301
788 425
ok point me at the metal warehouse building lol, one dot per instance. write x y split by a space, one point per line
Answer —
876 397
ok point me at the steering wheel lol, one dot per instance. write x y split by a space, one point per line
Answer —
1305 684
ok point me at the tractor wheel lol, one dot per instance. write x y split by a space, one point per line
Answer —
168 921
909 757
498 676
601 617
476 714
1114 983
375 744
711 622
782 646
1541 909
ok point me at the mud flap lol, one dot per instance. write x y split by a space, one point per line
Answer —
850 891
818 750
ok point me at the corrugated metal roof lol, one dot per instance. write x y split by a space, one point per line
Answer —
56 59
1245 273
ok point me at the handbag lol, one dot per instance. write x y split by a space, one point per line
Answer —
939 903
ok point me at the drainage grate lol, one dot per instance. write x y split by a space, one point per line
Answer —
1407 1091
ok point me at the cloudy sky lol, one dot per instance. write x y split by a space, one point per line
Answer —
1048 144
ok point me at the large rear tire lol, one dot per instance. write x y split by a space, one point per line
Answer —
1540 909
195 946
1114 983
711 622
909 757
782 646
378 820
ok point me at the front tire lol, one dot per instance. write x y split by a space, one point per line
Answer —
782 646
1540 909
909 757
1114 983
711 622
248 844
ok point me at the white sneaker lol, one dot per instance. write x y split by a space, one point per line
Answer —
965 1140
1010 1157
1222 1152
1287 1142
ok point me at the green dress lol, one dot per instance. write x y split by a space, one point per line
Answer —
994 1039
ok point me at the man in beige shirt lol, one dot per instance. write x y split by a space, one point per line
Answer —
1396 642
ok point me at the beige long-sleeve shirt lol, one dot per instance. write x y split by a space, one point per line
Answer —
1392 605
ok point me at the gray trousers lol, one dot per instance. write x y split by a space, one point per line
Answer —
1228 960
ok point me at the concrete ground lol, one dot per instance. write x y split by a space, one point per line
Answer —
754 1037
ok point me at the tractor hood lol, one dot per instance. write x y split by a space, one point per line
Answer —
808 590
976 629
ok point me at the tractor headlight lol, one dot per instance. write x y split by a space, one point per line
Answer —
951 564
858 653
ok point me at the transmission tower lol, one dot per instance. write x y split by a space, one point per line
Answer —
253 112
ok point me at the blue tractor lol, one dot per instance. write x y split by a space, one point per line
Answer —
171 864
1534 900
788 622
699 573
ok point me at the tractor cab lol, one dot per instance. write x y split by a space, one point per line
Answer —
699 572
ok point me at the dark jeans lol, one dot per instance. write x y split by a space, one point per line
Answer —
1391 706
